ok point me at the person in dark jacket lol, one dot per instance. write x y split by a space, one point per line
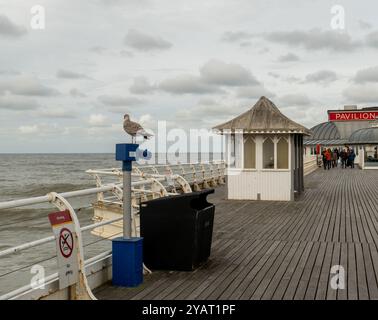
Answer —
324 158
351 158
335 158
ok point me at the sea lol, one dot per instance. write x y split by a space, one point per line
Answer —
30 175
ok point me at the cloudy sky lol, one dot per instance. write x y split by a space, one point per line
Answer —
192 63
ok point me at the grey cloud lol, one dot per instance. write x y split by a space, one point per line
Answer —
372 39
288 79
367 93
294 100
321 76
235 36
126 54
364 25
98 49
293 79
213 75
207 101
119 101
264 50
245 44
119 109
42 129
367 75
227 74
274 75
9 29
206 113
56 113
67 74
182 84
123 3
253 92
9 72
77 93
314 39
141 86
288 57
27 86
144 42
16 103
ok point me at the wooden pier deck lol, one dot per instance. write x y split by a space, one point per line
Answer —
283 250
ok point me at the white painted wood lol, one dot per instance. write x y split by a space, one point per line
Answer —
270 184
259 144
239 147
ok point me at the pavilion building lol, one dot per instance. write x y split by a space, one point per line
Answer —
352 127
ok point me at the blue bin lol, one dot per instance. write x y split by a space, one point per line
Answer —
127 262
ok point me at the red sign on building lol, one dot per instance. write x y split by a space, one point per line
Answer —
352 115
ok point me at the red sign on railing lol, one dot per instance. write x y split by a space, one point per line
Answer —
352 115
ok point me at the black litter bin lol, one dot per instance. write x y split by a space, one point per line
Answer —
177 231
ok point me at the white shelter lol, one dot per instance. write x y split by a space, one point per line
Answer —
264 154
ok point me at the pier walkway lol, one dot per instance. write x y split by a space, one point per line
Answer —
283 250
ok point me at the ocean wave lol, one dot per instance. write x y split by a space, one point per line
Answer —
33 190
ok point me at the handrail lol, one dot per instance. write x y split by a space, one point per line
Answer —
50 278
35 243
47 198
194 174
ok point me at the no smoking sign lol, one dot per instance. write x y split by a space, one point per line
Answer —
66 247
66 242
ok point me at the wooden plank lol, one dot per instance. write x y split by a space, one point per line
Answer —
254 278
343 294
293 284
332 292
352 273
370 272
276 270
301 289
273 250
363 293
270 289
286 277
321 292
316 271
252 260
283 250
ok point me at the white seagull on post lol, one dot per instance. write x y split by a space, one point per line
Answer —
134 128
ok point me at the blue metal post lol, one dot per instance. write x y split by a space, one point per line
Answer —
127 251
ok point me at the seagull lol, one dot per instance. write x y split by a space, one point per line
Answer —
134 128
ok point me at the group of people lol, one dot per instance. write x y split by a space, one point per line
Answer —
331 158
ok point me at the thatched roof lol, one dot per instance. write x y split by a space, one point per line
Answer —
263 117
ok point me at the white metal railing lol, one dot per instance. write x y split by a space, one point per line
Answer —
165 180
168 179
148 181
49 198
49 279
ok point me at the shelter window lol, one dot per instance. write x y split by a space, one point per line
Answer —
268 154
282 154
249 153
